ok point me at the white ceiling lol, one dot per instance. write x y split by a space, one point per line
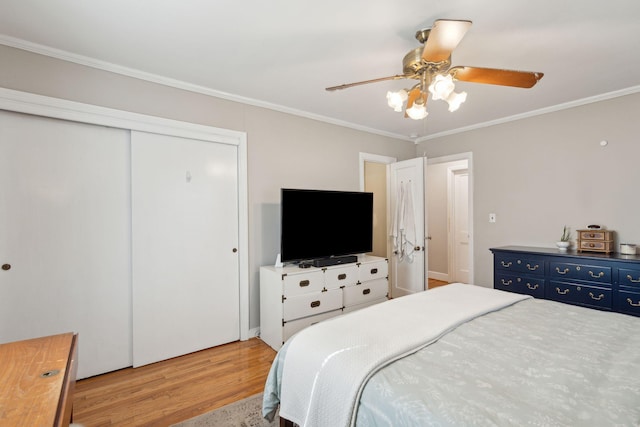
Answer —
281 54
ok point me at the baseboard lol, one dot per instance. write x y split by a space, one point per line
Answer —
438 276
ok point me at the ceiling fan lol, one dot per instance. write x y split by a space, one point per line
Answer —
431 66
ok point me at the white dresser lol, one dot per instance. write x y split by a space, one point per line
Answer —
292 298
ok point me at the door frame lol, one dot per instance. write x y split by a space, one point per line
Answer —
468 156
39 105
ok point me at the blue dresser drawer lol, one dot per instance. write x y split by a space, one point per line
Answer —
589 273
629 277
529 265
533 286
573 293
629 302
594 280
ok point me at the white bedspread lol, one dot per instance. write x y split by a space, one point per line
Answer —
354 346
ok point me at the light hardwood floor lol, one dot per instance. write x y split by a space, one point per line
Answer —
434 283
167 392
174 390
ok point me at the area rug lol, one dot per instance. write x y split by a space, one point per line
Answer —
243 413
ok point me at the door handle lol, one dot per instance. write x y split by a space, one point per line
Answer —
6 267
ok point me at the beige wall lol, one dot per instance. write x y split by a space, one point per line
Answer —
540 173
375 181
283 150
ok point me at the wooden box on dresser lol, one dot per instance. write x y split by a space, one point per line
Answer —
596 280
292 298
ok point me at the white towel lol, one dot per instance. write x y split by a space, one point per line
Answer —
404 224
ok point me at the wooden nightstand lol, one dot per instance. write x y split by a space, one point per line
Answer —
37 381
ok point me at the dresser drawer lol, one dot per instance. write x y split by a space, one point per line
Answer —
525 264
373 270
602 281
590 273
365 292
629 277
629 302
294 326
311 304
580 294
533 286
594 235
595 245
303 283
335 277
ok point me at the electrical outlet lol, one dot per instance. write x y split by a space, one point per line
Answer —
492 217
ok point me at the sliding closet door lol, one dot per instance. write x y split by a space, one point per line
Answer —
65 236
185 240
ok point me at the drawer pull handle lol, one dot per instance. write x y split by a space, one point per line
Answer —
565 271
598 298
594 276
506 264
532 287
304 283
315 304
342 276
374 270
534 268
632 280
366 291
506 283
632 304
566 291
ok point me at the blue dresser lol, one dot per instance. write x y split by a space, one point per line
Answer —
595 280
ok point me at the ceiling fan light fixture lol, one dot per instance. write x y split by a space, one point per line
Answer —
418 111
395 100
455 100
441 87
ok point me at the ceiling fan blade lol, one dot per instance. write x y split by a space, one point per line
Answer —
414 94
493 76
444 36
381 79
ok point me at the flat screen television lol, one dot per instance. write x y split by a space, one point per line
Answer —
319 224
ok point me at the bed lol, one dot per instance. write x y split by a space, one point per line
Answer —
461 355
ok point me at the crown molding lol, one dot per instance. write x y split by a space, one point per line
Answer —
179 84
554 108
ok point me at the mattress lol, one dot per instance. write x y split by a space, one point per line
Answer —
535 362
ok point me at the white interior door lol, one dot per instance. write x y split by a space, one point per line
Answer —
185 243
460 226
65 236
407 198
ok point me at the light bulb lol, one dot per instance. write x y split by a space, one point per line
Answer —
455 100
417 111
441 87
396 99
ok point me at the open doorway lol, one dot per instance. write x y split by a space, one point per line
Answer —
374 179
449 209
450 218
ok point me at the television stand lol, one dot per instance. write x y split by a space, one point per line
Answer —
293 298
